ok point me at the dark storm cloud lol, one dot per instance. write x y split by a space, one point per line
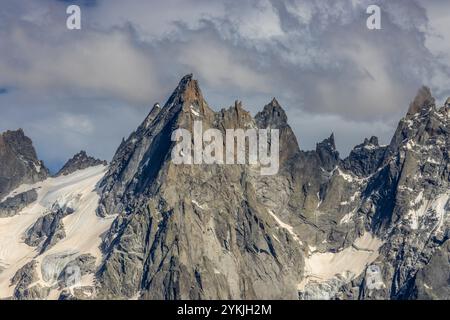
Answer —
88 88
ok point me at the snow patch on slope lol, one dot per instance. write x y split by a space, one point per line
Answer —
287 227
83 228
346 264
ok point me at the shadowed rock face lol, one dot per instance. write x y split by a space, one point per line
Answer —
19 162
80 161
365 158
328 155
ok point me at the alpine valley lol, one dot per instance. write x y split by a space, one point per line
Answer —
374 225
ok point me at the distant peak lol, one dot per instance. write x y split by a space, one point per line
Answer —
81 154
423 99
80 161
328 155
330 141
372 141
272 114
19 132
327 144
238 104
187 78
19 163
274 103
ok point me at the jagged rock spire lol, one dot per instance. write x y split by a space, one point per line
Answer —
447 103
272 114
372 141
327 143
423 99
187 92
18 161
326 150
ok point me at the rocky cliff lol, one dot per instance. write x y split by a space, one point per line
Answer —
191 232
19 162
214 231
374 225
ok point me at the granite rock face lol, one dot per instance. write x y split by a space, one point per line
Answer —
374 225
365 158
80 161
24 280
48 229
315 201
19 162
433 281
405 202
192 232
13 205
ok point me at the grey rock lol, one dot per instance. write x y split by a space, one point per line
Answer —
23 279
190 232
366 158
13 205
328 155
433 281
48 229
19 162
214 232
422 101
170 215
79 293
86 263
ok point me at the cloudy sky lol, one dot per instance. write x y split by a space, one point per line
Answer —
86 89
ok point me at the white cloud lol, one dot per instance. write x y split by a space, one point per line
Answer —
219 66
96 63
77 123
316 56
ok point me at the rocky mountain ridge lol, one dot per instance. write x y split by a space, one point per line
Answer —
371 226
80 161
320 203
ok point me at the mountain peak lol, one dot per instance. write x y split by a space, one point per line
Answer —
272 115
275 103
372 141
326 150
423 99
80 161
188 91
187 97
19 161
329 143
